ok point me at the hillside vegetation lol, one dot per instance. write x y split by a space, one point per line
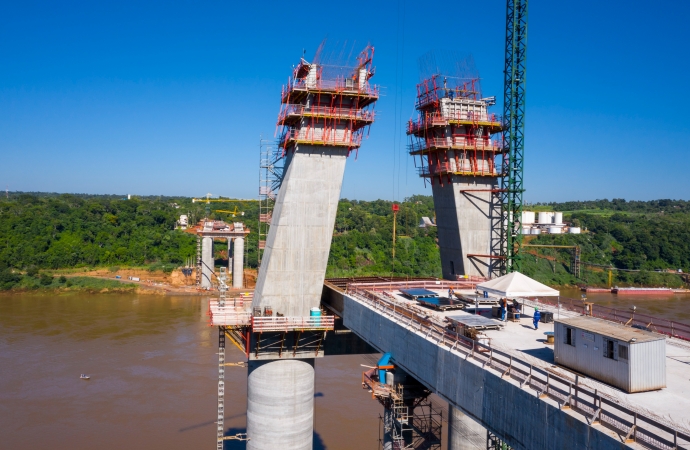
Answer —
42 232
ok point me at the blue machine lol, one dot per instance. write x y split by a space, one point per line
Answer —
384 362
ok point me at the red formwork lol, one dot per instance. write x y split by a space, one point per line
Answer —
452 134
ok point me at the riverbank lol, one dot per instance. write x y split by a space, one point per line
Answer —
110 280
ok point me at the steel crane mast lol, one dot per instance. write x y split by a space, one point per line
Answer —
512 186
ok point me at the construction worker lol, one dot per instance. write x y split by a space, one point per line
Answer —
504 308
536 317
450 293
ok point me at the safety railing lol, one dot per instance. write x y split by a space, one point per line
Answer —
321 136
469 283
464 169
324 111
339 85
284 324
631 424
628 317
455 143
444 118
234 314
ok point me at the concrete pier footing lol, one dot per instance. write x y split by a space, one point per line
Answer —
280 405
463 432
464 225
207 262
238 264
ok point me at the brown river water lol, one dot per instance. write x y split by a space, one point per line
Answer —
153 367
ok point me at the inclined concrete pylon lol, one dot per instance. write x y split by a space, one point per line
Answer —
323 115
452 137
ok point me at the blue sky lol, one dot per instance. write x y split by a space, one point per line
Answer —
171 97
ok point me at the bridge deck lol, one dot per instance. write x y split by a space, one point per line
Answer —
523 341
516 363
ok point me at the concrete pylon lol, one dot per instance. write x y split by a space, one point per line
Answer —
238 264
464 225
207 262
283 393
323 114
463 432
293 266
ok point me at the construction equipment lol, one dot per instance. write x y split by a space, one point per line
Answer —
234 212
512 186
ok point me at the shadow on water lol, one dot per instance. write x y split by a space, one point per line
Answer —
242 445
204 424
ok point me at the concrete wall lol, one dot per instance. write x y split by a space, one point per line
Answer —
294 262
516 415
463 432
464 225
207 262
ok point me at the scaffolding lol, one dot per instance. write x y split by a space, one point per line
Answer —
328 105
270 178
410 420
453 132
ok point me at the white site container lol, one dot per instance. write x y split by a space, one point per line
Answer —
574 230
628 358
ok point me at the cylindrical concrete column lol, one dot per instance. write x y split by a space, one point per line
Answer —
463 432
280 405
238 264
229 255
207 262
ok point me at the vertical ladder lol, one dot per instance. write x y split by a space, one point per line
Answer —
198 260
221 388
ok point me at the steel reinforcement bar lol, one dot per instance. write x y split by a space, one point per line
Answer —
596 408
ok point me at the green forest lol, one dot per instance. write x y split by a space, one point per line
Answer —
41 232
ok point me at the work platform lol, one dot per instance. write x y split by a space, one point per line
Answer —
557 408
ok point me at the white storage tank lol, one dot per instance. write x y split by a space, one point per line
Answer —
574 230
544 217
558 218
628 358
526 230
555 230
536 231
527 217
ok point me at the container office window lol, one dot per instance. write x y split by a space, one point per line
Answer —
610 349
623 352
570 336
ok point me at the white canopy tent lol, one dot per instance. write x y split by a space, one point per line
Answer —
516 284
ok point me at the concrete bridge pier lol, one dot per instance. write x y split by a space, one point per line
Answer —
463 432
207 262
280 404
230 255
237 263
